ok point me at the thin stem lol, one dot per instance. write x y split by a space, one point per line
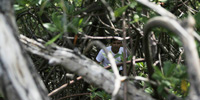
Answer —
124 55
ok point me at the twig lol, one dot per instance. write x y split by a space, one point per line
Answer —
98 37
139 78
63 86
111 27
181 53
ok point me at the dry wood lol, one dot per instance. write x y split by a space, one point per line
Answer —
19 79
81 65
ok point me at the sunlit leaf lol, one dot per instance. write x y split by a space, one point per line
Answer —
133 4
120 10
80 22
18 7
50 27
53 39
136 18
148 90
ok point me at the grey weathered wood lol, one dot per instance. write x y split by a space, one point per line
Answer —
83 66
18 78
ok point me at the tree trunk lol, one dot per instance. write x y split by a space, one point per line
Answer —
17 73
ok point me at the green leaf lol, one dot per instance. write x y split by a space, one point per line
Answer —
50 27
18 7
158 74
34 2
76 22
168 68
133 4
117 55
57 20
173 80
67 7
177 40
165 82
43 5
22 2
160 88
80 22
119 11
53 39
130 57
136 18
148 90
100 94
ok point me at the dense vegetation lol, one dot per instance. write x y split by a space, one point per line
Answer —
74 24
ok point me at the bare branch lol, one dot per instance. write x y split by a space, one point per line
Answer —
63 86
98 37
79 64
79 78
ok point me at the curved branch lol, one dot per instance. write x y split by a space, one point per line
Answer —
163 12
156 8
185 33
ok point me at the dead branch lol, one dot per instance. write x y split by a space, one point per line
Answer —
81 65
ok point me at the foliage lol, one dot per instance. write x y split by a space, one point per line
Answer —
100 93
141 69
173 78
